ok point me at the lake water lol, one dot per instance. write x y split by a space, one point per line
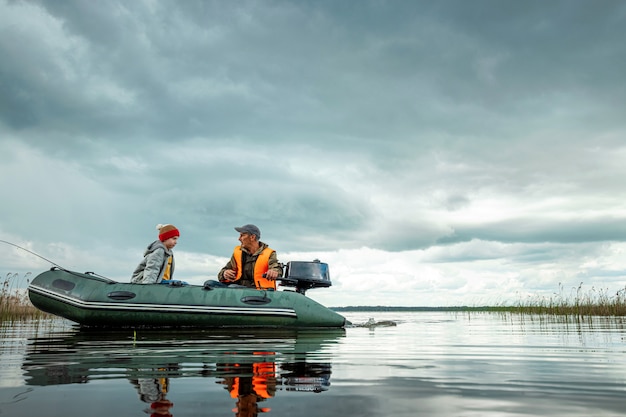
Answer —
428 364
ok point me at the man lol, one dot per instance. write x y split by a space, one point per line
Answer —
251 261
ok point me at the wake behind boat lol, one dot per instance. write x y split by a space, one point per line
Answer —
95 301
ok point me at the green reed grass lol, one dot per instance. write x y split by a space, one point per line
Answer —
14 304
578 302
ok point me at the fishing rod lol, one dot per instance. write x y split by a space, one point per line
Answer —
48 260
32 253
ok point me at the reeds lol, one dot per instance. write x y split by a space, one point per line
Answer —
14 302
578 303
594 302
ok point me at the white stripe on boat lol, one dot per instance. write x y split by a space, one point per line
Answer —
99 305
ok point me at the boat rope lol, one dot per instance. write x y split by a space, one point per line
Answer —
32 253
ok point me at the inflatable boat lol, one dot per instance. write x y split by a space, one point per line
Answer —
92 300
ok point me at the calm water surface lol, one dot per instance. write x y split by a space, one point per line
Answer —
429 364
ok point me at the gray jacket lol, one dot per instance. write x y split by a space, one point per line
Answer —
151 269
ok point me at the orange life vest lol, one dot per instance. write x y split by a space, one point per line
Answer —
261 266
261 373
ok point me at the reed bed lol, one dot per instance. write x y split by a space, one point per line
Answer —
14 302
578 302
575 304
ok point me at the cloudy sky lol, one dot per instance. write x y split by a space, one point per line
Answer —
432 153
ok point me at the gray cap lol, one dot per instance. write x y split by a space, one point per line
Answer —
251 229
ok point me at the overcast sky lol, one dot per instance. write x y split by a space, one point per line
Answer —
432 153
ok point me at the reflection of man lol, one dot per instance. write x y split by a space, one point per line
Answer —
250 390
247 406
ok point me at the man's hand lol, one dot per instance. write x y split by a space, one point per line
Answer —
271 274
230 275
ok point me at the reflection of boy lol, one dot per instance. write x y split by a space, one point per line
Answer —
161 408
153 391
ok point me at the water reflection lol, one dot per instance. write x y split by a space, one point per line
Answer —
430 364
250 384
153 391
251 366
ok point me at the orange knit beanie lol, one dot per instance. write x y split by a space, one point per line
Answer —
167 231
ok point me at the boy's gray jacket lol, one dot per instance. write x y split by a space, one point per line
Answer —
151 269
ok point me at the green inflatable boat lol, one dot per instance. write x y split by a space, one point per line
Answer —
95 301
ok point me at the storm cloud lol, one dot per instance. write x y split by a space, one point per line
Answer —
432 153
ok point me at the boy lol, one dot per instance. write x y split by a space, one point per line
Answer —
158 259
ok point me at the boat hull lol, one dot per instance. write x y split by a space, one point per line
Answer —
91 300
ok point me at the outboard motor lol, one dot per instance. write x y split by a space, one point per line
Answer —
305 275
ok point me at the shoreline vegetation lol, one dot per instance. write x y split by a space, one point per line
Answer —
14 303
16 306
578 304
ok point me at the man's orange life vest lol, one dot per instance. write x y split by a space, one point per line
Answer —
261 266
262 373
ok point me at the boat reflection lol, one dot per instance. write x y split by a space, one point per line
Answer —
251 365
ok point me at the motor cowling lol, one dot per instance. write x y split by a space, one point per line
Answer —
305 275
